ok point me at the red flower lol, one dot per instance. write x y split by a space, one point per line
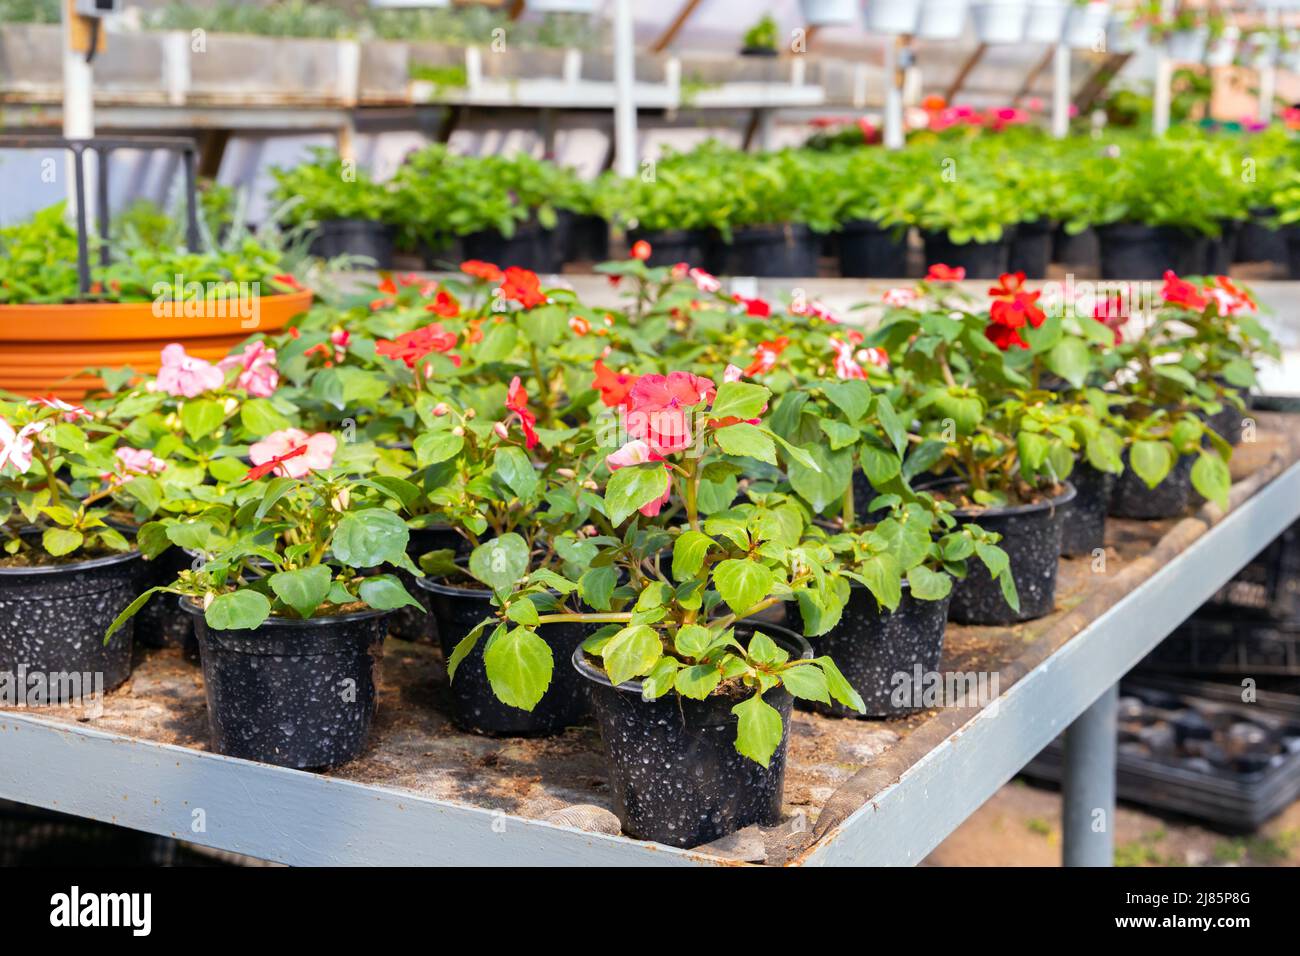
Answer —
1109 312
268 466
287 280
1004 336
1021 308
659 409
444 304
614 387
1182 293
641 250
765 356
389 288
413 346
474 332
755 307
578 325
1010 284
517 402
482 270
523 286
942 273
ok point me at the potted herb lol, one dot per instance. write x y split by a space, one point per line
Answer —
66 571
289 603
350 215
761 38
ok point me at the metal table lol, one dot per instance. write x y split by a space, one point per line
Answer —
304 818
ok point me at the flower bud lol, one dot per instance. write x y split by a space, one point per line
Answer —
458 431
566 472
501 430
470 414
440 409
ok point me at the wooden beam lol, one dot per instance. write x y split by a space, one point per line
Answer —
964 73
670 33
1032 76
1101 77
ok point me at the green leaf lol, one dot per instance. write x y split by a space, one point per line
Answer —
1070 359
237 611
825 484
515 469
147 491
742 583
928 585
892 423
61 541
758 729
631 488
839 687
261 418
853 398
883 578
467 644
433 448
519 665
370 537
1151 461
523 611
385 592
631 653
698 681
660 680
130 611
742 400
807 682
747 441
202 416
688 554
692 640
1211 477
304 590
596 586
501 562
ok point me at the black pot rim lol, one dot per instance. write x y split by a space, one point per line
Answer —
446 590
90 564
1064 498
189 607
597 676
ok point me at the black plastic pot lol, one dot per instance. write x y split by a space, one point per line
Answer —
981 260
354 237
1258 241
1083 529
473 705
1226 423
868 250
531 247
586 238
1221 250
674 773
1079 250
292 693
782 251
876 649
407 623
1292 234
671 246
1031 537
1169 499
53 619
161 622
1137 251
1031 248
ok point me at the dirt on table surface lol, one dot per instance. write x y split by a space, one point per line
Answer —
834 765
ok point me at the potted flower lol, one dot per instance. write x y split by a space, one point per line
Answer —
52 333
999 21
761 38
289 606
66 570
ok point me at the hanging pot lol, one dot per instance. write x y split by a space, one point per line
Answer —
1124 36
1085 27
1045 20
999 21
942 19
1223 49
1187 46
894 17
829 13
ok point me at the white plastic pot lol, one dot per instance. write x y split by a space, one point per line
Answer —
1222 51
942 19
893 16
562 6
1124 36
1260 52
1187 46
829 13
1045 21
1085 27
999 21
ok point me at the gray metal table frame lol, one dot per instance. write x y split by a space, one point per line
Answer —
308 819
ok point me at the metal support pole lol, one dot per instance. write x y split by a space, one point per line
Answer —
1061 92
191 202
626 155
83 251
78 96
1163 100
1268 75
1088 787
893 136
101 202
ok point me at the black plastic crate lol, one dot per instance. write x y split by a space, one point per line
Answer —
1205 755
1268 588
1214 644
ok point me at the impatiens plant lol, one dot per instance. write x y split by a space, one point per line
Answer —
673 573
66 480
290 547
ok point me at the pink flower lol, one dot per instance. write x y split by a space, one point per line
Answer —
659 409
872 356
846 366
16 447
71 413
319 455
139 461
185 376
732 373
815 309
637 452
704 281
257 372
899 298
